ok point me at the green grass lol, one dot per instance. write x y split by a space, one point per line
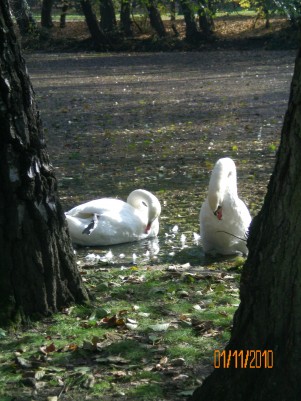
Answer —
77 350
73 16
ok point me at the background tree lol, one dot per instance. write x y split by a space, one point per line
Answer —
192 33
46 14
173 17
125 17
155 18
206 13
38 274
23 15
268 317
107 16
63 15
98 36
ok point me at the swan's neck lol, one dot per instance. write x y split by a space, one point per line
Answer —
147 204
222 182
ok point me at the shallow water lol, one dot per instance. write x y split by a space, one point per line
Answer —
172 246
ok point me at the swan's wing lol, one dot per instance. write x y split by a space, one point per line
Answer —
97 206
226 236
91 226
243 214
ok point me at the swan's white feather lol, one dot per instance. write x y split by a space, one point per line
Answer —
228 235
115 221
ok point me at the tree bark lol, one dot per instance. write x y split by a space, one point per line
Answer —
24 18
97 34
46 18
268 317
173 17
107 16
125 17
206 23
38 274
63 15
155 18
191 31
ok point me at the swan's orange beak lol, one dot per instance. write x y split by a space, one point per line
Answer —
219 213
147 228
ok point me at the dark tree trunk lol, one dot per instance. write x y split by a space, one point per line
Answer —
38 274
97 34
173 17
46 18
63 16
25 20
155 19
268 317
191 31
125 17
107 16
205 17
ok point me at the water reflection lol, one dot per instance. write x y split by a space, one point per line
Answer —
171 246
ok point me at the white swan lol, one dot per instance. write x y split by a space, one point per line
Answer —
224 218
110 221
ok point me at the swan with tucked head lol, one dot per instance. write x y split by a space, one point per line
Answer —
110 221
224 218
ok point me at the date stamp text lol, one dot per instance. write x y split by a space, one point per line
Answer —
246 359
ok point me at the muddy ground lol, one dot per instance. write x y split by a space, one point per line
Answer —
115 122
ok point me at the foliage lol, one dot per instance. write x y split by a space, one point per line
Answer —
290 8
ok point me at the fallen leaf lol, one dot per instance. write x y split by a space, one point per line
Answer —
88 382
160 326
113 321
48 348
177 362
119 373
131 326
163 360
24 363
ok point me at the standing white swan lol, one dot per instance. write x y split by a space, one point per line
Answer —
224 218
109 221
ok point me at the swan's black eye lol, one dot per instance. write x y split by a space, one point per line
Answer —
143 203
217 210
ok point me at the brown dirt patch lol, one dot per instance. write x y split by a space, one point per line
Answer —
115 122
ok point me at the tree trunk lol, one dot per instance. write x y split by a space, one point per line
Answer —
191 31
205 17
107 16
155 19
173 17
46 18
24 18
96 32
268 317
63 15
125 17
38 274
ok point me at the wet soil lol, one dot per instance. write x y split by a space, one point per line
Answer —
119 121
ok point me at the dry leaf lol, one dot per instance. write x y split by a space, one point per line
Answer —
24 363
48 348
160 326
